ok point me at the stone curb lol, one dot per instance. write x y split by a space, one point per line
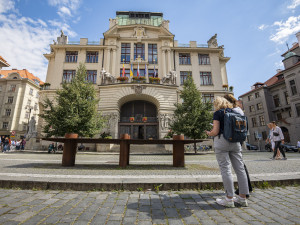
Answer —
43 185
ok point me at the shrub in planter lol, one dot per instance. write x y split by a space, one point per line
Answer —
122 79
154 80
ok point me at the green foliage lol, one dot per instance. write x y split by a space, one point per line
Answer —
157 187
193 116
74 109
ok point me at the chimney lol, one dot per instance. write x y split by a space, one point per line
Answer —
298 37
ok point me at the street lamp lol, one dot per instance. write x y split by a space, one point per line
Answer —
28 107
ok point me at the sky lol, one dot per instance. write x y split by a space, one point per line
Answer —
254 32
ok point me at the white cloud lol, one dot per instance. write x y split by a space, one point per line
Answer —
6 5
285 29
278 65
65 7
294 4
24 40
262 27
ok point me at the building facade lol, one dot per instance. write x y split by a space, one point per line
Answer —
19 101
277 99
138 42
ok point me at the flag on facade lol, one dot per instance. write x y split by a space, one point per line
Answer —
123 73
138 70
131 71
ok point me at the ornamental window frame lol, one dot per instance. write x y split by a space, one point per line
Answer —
125 52
205 78
71 56
68 75
184 59
203 59
152 53
139 50
92 57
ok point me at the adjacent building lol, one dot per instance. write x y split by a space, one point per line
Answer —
277 99
142 44
19 101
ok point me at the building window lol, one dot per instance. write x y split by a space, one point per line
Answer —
7 112
184 59
250 97
152 53
276 100
151 73
91 76
29 102
92 57
125 52
68 75
293 87
5 125
251 108
139 51
184 75
257 95
208 98
262 120
279 116
31 91
10 100
297 106
287 98
253 122
141 73
259 106
205 78
203 59
12 88
71 56
127 72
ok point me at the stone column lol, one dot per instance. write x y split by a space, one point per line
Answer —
163 63
146 52
107 63
132 52
169 60
114 63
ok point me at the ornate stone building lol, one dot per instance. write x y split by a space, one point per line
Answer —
140 42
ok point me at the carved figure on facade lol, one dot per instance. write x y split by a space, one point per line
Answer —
112 120
165 120
32 133
106 77
139 32
170 78
138 89
212 42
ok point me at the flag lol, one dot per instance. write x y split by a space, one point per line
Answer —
131 71
138 70
154 71
123 73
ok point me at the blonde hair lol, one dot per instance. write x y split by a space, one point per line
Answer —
222 103
231 99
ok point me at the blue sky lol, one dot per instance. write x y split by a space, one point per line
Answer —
253 32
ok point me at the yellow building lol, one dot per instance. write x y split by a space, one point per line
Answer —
141 105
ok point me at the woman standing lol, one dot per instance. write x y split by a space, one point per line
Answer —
227 154
278 138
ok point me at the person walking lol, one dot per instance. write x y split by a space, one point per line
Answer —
271 141
227 154
236 108
278 138
6 145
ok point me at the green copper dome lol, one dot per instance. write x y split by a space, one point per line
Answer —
289 54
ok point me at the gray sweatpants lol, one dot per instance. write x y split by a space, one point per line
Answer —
228 153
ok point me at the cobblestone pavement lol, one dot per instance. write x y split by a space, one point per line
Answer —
266 206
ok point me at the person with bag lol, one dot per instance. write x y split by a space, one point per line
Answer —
272 143
228 153
237 109
278 138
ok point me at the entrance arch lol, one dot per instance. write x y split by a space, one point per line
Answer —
139 119
286 134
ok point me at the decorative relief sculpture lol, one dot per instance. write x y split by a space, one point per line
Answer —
212 42
106 77
139 32
112 120
138 89
165 120
170 78
32 133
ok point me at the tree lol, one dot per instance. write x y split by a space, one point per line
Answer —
193 116
74 109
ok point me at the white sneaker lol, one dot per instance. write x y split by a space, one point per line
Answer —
241 201
224 202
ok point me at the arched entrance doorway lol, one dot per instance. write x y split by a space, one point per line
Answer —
139 119
286 134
